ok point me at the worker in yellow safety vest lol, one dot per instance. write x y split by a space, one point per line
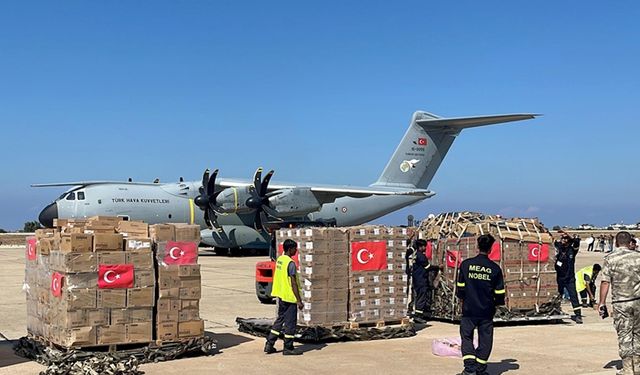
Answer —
586 283
286 287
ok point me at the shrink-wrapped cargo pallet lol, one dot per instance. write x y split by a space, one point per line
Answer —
83 289
93 282
523 249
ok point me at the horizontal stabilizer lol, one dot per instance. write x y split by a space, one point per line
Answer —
87 183
459 123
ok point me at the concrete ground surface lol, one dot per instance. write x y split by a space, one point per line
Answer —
228 292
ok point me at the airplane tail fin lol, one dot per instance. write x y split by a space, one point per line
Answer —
425 144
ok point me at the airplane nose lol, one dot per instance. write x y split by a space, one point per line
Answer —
48 214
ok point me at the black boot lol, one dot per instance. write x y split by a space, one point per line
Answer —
289 349
269 349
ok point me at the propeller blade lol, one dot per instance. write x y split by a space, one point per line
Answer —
206 218
205 178
257 224
211 185
265 184
257 177
270 211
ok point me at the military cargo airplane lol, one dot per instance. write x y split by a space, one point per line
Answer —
236 212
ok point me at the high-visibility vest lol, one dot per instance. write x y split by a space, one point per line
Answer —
580 283
281 287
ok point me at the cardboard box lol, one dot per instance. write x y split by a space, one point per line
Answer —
189 304
83 336
76 299
139 332
188 315
190 293
105 220
190 282
167 316
187 232
136 243
191 329
169 293
111 257
107 242
162 232
73 262
189 270
81 280
133 228
144 278
97 227
112 334
140 297
141 259
58 223
70 319
119 316
112 298
76 242
169 304
167 331
141 315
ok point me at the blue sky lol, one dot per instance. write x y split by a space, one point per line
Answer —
323 93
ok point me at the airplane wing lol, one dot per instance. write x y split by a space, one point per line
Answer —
471 122
329 193
87 183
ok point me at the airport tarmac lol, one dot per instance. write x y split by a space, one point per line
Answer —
228 292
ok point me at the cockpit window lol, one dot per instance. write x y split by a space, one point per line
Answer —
71 196
81 195
62 195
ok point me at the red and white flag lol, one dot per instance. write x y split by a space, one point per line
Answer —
453 258
538 252
181 253
422 141
56 284
429 251
369 256
31 248
115 276
495 253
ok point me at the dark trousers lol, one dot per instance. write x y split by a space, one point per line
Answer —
570 284
476 359
421 295
287 318
584 294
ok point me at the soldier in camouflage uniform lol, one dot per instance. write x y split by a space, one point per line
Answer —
620 272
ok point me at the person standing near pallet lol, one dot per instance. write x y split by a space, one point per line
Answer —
566 250
480 288
286 287
620 273
586 284
419 268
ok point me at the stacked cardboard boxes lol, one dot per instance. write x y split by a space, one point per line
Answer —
179 281
377 278
323 262
84 289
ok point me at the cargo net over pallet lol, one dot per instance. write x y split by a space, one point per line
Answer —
523 249
93 282
350 275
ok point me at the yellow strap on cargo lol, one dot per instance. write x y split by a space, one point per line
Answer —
192 214
500 291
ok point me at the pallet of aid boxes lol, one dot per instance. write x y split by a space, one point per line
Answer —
96 292
377 277
323 263
179 281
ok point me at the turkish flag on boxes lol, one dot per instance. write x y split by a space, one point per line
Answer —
178 253
538 252
368 255
115 276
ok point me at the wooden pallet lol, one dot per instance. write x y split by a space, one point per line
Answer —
378 324
111 348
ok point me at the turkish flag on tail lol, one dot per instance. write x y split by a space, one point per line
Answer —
453 258
494 254
369 256
181 253
56 284
538 252
31 248
115 276
429 251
